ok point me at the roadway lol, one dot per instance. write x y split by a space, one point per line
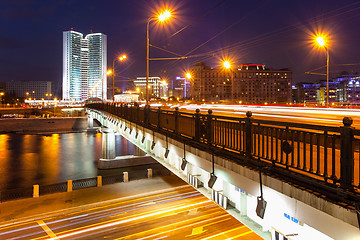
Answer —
309 115
178 212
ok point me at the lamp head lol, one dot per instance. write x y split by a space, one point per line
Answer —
226 64
320 40
164 16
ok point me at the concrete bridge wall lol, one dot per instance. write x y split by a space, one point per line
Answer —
43 124
290 211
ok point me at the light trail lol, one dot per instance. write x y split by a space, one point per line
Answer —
331 116
183 212
186 226
101 214
111 224
222 233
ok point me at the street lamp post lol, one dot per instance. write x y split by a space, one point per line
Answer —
122 58
227 65
321 42
161 17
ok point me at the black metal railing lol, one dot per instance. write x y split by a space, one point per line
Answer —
15 194
53 188
84 183
320 156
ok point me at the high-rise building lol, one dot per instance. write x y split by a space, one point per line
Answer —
84 66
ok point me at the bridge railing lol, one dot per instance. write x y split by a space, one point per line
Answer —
322 153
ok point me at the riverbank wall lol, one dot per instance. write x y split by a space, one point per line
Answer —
57 124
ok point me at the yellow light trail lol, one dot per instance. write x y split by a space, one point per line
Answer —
107 205
111 224
158 229
186 226
222 233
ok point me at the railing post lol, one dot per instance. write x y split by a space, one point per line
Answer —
126 176
159 114
36 192
248 134
209 130
176 115
346 154
149 173
99 181
197 125
69 186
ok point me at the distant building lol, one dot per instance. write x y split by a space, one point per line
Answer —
126 97
30 89
157 87
343 90
84 66
248 84
180 88
348 91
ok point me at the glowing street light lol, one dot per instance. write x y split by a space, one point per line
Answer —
161 18
164 15
122 58
226 64
320 40
188 75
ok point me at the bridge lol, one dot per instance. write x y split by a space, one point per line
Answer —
298 180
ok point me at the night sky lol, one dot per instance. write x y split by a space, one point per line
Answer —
275 33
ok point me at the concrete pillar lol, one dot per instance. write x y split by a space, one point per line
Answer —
126 176
69 186
99 181
149 173
108 144
36 191
91 122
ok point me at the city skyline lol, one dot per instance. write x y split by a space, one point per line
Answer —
276 34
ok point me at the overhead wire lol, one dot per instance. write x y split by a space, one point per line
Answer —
263 37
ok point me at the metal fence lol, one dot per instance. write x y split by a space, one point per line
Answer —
84 183
15 194
21 193
53 188
323 156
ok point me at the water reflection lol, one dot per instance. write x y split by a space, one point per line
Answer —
46 159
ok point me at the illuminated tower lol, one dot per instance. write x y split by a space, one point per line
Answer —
84 66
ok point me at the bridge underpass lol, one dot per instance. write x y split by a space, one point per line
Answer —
297 212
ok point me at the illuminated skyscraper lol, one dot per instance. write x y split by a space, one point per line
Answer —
84 66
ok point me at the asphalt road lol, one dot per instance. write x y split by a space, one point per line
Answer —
309 115
177 213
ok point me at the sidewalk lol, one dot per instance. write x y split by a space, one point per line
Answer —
58 203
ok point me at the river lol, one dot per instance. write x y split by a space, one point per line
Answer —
27 159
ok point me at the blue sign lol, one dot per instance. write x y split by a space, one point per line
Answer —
291 218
